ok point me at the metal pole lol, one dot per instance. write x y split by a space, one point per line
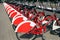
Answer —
43 37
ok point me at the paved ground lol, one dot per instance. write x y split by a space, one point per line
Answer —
6 30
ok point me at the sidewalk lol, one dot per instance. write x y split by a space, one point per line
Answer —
6 30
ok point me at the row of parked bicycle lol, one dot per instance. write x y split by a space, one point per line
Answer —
27 20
